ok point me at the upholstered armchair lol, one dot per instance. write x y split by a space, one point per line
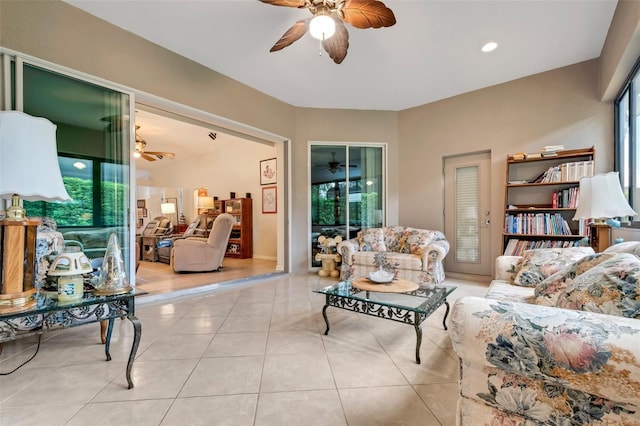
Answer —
198 254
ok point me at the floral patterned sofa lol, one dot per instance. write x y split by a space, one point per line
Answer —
414 254
555 341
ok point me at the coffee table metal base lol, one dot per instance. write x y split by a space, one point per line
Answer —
387 312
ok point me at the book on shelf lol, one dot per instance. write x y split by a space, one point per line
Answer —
565 198
536 224
552 148
516 247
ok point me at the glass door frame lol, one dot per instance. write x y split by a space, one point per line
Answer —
347 146
10 99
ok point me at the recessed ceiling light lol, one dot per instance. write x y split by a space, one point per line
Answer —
488 47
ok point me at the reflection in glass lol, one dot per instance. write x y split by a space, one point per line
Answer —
93 147
347 191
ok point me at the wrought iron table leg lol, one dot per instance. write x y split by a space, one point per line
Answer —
444 321
418 340
107 342
137 332
326 320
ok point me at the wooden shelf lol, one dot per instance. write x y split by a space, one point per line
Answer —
240 243
533 199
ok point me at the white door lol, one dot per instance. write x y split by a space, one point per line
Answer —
466 213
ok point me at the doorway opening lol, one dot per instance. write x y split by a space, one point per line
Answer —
224 162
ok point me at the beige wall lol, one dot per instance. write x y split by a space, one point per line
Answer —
556 107
560 106
621 48
321 125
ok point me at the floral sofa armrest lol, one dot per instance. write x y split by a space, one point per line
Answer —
433 252
347 249
507 267
545 364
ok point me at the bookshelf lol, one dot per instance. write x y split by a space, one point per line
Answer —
241 239
541 195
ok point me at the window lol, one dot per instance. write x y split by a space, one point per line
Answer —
627 151
93 143
96 195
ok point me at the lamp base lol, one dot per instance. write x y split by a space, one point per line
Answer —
600 236
17 302
17 264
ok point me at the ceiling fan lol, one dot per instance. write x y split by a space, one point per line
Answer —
332 13
336 166
140 146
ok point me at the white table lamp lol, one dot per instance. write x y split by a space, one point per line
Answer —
601 198
28 169
168 208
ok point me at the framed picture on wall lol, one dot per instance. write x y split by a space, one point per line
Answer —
268 171
269 200
141 204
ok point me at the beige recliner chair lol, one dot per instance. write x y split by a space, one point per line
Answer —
197 254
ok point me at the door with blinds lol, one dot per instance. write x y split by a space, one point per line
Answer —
467 214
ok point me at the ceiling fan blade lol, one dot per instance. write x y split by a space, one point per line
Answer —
161 153
293 34
147 157
337 45
367 14
288 3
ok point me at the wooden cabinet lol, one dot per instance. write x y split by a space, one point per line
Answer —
241 240
541 198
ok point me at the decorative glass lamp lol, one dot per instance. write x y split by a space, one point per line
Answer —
28 169
69 267
113 277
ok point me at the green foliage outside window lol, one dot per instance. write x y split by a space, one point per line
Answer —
80 211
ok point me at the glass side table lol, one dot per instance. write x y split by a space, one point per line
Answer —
50 314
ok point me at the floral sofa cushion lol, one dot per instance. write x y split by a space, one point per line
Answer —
547 292
610 287
372 239
632 247
389 261
538 264
524 364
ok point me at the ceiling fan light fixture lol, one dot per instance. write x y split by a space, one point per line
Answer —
322 26
136 154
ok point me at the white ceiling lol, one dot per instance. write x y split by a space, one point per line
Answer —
433 52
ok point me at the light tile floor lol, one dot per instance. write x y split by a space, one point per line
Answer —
248 354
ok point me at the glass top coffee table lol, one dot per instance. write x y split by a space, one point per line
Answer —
389 301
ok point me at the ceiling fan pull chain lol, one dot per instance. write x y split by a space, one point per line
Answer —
319 47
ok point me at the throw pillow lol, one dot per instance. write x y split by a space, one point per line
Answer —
372 239
609 288
538 264
416 239
632 247
547 292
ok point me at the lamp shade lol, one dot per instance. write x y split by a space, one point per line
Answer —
29 158
601 197
167 208
205 202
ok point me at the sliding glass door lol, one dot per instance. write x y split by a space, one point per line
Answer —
93 142
347 191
